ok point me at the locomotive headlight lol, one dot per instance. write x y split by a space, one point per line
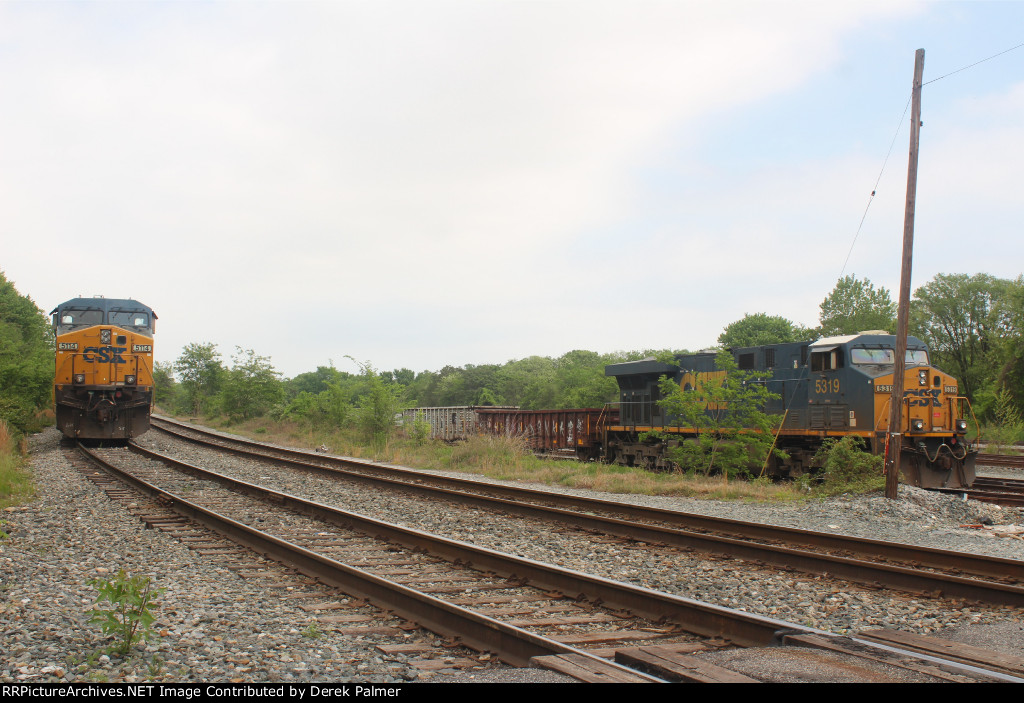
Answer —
79 378
129 380
961 426
104 336
917 425
922 377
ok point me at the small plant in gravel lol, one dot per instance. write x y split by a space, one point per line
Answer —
312 631
130 615
156 666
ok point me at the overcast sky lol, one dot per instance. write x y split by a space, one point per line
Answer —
420 183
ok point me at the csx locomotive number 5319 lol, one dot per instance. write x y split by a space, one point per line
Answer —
832 387
103 385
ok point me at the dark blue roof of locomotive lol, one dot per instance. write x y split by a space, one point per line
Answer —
106 305
870 339
645 366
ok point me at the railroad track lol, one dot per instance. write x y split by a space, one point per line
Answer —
878 564
1002 491
1013 461
492 602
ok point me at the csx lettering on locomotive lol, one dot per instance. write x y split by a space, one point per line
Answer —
106 354
922 397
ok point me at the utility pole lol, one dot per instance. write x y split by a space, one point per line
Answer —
895 439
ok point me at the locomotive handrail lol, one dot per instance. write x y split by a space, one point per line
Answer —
885 414
768 456
977 425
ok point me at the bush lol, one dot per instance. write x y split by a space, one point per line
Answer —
848 467
1009 427
724 407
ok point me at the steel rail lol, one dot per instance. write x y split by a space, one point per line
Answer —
855 569
1015 461
693 616
512 644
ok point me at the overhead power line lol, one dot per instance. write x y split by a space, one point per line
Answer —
899 127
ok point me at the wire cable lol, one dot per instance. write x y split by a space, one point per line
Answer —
1013 48
874 190
891 145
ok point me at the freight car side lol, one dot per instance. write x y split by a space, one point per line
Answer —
575 431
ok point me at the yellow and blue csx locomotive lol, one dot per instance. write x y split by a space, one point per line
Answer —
103 385
832 387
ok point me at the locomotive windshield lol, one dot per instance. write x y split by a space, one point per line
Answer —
72 318
915 357
86 312
137 320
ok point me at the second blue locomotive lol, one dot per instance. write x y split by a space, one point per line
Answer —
832 387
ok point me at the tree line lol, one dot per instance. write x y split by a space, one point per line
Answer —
974 326
200 381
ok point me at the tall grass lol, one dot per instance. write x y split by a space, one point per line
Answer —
509 458
15 481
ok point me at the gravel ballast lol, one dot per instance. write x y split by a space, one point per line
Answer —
215 626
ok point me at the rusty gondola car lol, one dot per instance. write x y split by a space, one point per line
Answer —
103 380
566 432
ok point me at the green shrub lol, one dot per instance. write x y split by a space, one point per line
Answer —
848 467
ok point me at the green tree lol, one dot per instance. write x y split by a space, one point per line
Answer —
252 387
378 406
733 433
1007 357
530 383
960 319
165 387
403 376
316 382
200 373
26 359
760 329
581 380
328 408
1008 426
855 306
422 392
451 389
